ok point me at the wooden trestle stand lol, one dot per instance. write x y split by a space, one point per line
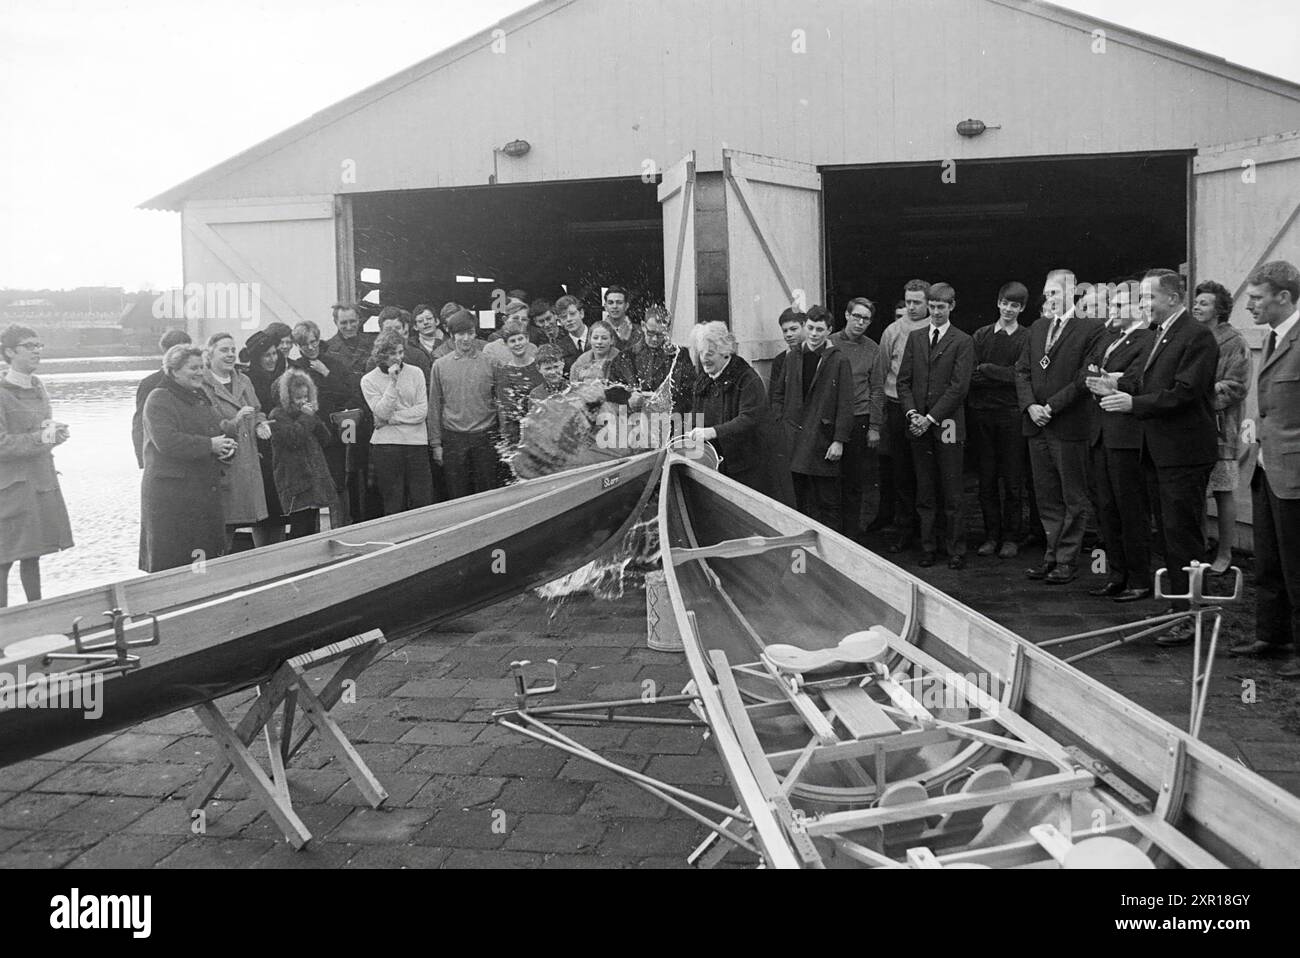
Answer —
289 685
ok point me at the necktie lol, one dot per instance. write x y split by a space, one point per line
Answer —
1114 346
934 338
1272 344
1151 356
1053 334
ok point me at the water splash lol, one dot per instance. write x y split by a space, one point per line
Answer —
613 576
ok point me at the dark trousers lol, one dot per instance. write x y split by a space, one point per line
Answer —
997 436
818 498
858 468
900 455
1277 563
402 474
939 485
469 463
1061 485
1124 515
1177 495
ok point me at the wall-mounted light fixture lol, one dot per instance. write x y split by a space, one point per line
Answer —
514 149
974 127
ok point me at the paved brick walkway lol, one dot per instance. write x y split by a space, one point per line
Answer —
466 793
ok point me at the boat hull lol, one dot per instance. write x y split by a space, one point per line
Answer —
813 597
401 589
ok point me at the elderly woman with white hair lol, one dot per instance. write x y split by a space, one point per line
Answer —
728 406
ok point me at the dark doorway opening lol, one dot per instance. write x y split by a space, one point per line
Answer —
437 246
1104 217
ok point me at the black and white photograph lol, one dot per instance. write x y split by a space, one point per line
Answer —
650 434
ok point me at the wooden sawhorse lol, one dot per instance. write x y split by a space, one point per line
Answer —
288 684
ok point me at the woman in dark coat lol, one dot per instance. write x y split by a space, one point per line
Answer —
180 500
728 408
33 518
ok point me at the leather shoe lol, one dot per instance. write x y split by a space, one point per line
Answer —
927 560
1180 634
881 524
1109 590
1062 574
1009 550
1258 649
987 549
900 545
957 562
1040 572
1132 595
1290 669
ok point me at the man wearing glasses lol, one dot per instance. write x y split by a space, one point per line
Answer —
859 464
645 365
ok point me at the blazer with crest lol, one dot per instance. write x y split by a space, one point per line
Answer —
1173 395
935 383
1056 383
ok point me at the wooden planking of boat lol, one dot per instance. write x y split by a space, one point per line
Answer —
866 718
185 636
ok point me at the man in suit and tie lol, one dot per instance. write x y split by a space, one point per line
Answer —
933 381
813 401
572 338
1057 415
1116 446
1171 393
1271 296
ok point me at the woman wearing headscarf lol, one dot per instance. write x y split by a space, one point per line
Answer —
33 517
261 355
185 447
243 498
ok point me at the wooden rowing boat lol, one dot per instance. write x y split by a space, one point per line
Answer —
932 737
227 624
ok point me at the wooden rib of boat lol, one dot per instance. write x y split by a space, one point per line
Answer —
932 737
227 624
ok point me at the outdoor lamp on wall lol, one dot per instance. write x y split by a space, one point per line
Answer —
974 127
514 149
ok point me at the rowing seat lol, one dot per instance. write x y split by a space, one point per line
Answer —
859 713
960 827
860 648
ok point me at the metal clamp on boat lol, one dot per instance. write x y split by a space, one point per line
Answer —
109 656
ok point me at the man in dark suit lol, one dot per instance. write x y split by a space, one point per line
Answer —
932 385
814 402
572 338
1116 447
1171 393
1271 296
1057 423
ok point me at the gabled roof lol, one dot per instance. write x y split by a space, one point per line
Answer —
174 198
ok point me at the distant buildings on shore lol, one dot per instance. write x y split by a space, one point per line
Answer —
86 321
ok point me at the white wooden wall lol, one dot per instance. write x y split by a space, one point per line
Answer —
1246 211
600 88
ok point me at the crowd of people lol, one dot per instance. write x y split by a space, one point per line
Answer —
1115 414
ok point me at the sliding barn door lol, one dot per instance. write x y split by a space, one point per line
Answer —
285 249
775 246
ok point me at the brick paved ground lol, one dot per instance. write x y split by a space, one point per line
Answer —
422 722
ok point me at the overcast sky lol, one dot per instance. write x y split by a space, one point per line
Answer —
105 103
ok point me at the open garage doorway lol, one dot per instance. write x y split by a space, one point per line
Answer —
1104 217
438 246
